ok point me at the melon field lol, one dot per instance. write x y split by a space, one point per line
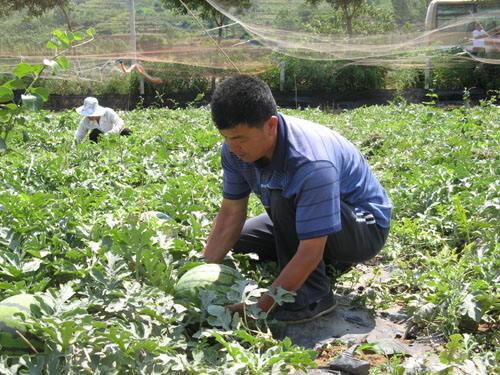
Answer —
100 234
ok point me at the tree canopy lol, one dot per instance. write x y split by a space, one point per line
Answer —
206 11
35 7
349 8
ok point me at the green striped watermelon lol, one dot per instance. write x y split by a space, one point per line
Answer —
10 323
216 277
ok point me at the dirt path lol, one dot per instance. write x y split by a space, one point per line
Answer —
339 336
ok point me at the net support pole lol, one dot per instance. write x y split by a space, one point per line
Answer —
133 43
282 76
427 74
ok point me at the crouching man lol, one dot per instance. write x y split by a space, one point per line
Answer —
324 206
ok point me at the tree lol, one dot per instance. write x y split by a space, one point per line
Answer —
208 12
401 11
36 7
349 9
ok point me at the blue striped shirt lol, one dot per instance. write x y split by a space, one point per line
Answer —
315 167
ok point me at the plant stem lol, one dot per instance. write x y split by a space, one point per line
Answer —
26 341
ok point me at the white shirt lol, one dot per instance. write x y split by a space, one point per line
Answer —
110 123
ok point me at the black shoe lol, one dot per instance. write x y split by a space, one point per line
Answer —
314 310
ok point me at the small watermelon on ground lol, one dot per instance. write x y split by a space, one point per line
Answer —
10 323
216 277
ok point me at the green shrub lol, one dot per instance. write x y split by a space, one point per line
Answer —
178 81
449 74
117 85
402 79
325 77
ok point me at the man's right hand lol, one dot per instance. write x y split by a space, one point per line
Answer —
226 229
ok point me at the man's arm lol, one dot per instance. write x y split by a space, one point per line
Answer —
317 203
226 229
308 256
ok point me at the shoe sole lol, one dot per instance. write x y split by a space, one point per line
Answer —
324 312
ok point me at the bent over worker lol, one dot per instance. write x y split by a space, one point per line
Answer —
324 206
98 120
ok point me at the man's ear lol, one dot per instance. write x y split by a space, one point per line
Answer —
273 123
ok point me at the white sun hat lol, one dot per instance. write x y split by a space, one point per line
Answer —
90 107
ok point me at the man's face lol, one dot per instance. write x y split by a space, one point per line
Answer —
251 144
94 118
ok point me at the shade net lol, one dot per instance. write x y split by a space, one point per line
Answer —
251 36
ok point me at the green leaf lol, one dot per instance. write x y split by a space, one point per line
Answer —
42 92
52 45
218 311
38 68
220 317
10 106
63 62
15 84
281 295
63 38
21 120
78 35
6 94
68 333
23 69
199 97
91 32
66 292
471 309
188 265
32 266
5 114
246 337
454 349
64 45
389 346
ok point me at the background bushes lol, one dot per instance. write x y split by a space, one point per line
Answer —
187 84
324 77
466 75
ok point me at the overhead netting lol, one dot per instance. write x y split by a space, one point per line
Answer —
250 35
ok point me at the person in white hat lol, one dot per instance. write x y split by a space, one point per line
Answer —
99 120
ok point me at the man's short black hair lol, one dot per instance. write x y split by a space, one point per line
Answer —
242 99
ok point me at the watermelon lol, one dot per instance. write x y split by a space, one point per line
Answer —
10 323
216 277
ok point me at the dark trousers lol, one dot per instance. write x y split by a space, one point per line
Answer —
95 133
273 236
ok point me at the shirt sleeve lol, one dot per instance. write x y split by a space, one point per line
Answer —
116 121
81 131
318 201
235 185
